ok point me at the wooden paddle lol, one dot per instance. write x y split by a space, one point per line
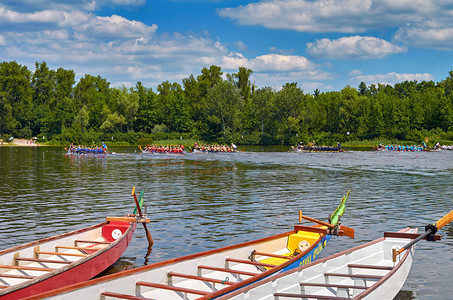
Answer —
429 229
348 231
139 210
127 219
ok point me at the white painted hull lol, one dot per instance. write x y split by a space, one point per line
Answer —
339 275
128 282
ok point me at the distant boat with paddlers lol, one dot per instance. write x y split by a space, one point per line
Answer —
153 149
407 148
213 148
95 150
311 147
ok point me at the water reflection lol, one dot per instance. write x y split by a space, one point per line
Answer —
404 295
200 202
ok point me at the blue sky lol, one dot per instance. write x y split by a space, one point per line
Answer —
318 44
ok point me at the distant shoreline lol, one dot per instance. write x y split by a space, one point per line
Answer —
21 143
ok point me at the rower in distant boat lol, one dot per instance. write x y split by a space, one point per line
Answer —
163 149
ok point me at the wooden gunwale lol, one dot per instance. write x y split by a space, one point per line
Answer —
67 267
195 256
322 260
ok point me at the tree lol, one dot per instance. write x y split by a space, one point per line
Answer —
128 104
363 89
94 93
44 99
83 118
147 109
263 106
114 122
289 104
16 116
224 100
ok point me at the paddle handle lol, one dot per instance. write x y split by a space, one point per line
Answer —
139 210
445 220
314 220
439 224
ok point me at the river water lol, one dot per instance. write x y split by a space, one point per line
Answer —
200 201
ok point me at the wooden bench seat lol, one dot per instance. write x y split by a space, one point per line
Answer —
171 288
288 295
26 268
77 248
228 270
354 275
332 285
201 278
248 262
271 255
16 276
91 242
121 296
61 253
41 260
373 267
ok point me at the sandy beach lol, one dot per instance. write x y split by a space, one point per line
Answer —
21 143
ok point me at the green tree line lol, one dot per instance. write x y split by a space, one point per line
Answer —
217 107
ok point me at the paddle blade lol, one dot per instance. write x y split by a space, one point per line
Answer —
340 209
348 231
445 220
140 200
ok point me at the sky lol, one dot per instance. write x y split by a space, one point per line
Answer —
323 45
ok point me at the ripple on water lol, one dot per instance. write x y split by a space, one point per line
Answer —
201 202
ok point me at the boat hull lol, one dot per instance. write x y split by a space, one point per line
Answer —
363 272
158 274
79 269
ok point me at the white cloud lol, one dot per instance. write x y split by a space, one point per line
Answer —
274 70
354 47
89 5
241 46
423 23
355 73
125 51
272 63
390 78
434 38
281 63
347 16
115 27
